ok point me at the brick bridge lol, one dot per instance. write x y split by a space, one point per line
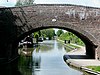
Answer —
18 22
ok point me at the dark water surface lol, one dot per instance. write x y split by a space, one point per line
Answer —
46 59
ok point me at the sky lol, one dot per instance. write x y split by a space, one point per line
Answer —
92 3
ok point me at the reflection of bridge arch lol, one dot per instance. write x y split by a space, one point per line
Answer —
18 22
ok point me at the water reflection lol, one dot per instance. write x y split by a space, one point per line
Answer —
36 59
47 59
60 46
25 65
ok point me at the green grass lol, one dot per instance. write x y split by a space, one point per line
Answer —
69 47
94 68
74 46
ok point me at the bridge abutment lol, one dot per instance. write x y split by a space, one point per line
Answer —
90 51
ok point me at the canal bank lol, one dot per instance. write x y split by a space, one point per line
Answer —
79 60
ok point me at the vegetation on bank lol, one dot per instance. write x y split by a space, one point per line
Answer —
45 33
68 36
71 41
94 68
24 2
69 47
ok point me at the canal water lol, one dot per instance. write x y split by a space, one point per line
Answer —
46 59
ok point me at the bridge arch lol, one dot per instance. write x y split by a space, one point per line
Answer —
88 39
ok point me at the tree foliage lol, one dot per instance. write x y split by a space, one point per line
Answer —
50 33
18 3
35 34
70 36
45 33
59 32
24 2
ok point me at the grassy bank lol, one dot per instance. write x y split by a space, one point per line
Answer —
68 36
69 47
94 68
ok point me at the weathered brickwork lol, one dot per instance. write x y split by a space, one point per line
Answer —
82 21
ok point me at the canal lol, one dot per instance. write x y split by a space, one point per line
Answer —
46 59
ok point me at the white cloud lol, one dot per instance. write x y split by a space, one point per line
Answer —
96 2
14 1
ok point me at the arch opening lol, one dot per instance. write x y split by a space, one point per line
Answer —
89 44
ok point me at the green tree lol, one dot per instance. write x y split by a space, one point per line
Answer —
70 36
24 2
18 3
35 34
50 33
59 32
